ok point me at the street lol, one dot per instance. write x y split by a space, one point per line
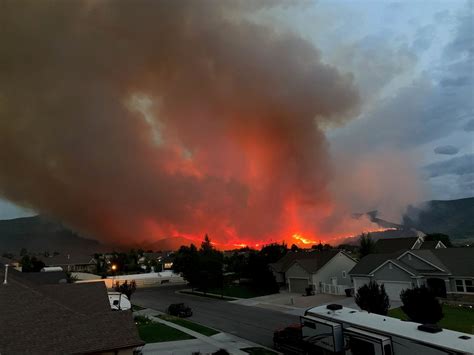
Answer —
253 323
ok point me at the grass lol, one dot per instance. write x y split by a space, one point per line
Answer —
190 325
137 308
259 351
152 332
240 291
208 296
455 318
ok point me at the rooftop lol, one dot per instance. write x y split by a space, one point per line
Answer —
61 319
447 339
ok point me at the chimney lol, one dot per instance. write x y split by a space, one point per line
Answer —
6 274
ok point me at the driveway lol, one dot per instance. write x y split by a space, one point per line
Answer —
295 303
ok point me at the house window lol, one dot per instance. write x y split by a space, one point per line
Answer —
464 286
469 286
344 274
409 256
390 266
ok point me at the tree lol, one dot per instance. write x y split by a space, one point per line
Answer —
294 248
211 262
372 298
23 252
443 238
322 246
31 264
421 305
261 276
126 288
367 245
186 262
274 252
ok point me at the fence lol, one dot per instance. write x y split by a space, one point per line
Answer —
333 289
140 280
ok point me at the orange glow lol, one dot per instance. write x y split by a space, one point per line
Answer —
303 240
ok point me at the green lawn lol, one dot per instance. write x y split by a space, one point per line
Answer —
259 351
240 291
190 325
152 332
136 308
455 318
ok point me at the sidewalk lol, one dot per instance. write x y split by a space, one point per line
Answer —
201 343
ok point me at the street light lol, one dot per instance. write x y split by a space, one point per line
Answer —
114 268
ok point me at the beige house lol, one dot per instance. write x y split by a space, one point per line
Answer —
323 271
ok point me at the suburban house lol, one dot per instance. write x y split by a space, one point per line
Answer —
72 262
48 318
449 272
324 271
164 259
391 245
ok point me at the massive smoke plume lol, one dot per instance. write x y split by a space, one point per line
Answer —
143 119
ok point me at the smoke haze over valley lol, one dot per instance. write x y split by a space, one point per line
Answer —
139 120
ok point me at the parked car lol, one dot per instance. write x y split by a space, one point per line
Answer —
180 310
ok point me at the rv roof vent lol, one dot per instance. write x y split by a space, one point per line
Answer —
430 328
334 306
464 337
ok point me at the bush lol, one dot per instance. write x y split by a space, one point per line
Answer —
421 305
373 298
126 288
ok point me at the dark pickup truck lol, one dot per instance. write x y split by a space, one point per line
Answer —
180 310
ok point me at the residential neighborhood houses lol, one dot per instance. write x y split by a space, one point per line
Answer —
305 277
449 272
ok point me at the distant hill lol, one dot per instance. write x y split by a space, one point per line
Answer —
40 234
454 218
171 243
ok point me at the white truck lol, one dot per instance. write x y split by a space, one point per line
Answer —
119 301
339 330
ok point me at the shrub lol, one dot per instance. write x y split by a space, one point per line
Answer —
421 305
373 298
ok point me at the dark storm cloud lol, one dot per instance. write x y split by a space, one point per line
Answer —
459 81
424 36
462 165
469 126
446 150
431 107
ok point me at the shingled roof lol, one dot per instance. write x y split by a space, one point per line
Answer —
310 261
384 246
61 319
452 261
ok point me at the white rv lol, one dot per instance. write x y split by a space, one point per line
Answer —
341 330
119 301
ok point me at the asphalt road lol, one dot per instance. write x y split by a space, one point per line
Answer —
251 323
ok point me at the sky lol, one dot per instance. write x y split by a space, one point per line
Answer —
413 61
287 116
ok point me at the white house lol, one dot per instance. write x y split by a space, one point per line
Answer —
324 271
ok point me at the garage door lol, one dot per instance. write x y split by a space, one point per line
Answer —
393 289
298 285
